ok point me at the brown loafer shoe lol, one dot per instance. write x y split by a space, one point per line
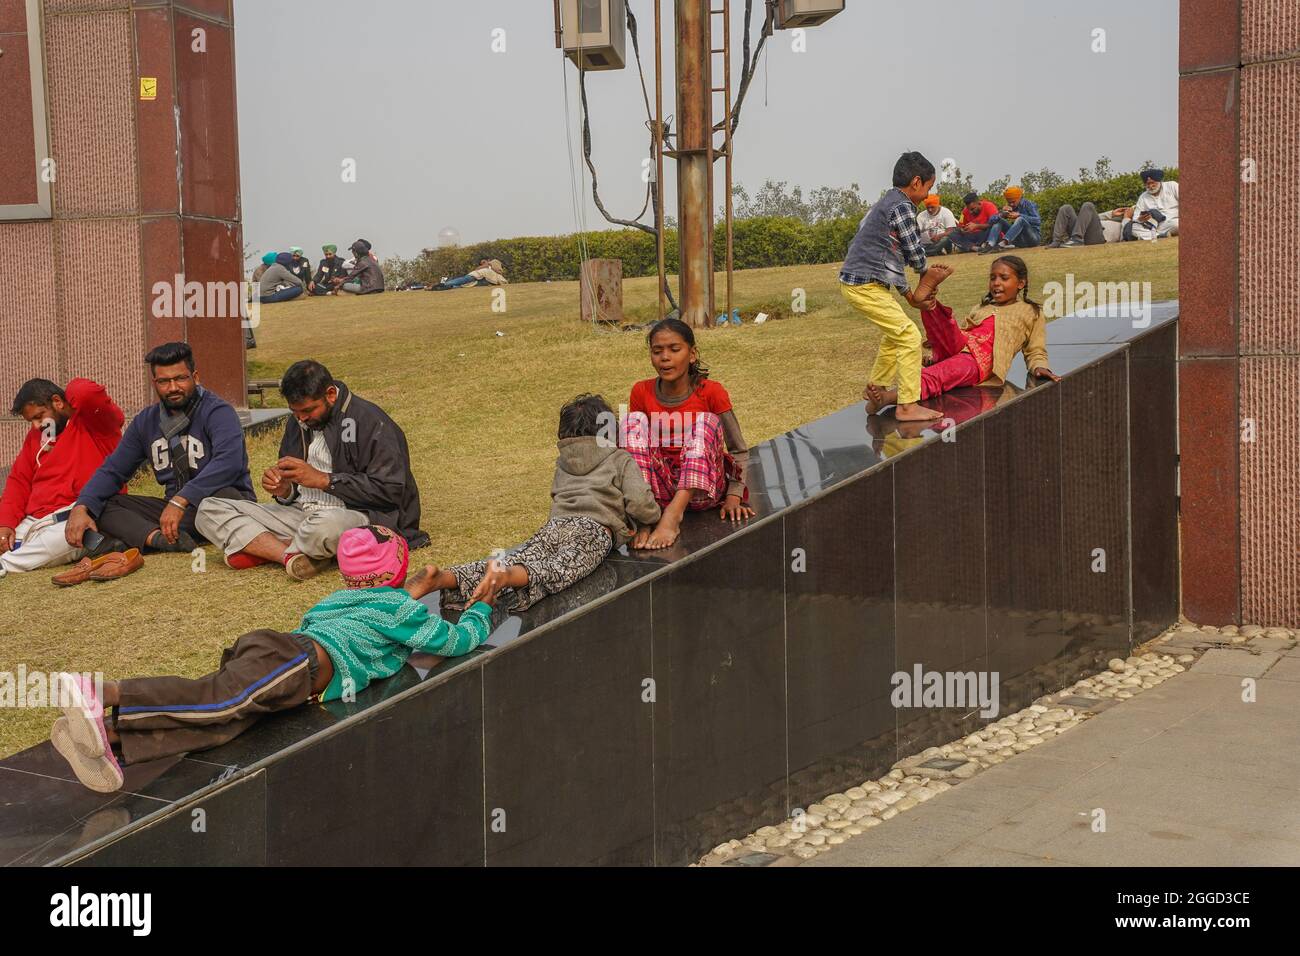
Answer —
300 567
79 572
117 565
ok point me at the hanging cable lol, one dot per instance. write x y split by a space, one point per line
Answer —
749 66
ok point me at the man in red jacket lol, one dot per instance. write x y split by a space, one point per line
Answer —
72 432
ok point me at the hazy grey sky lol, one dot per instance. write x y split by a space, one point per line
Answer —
447 133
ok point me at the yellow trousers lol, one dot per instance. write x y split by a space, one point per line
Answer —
899 357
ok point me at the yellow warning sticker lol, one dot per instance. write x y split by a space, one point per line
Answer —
148 87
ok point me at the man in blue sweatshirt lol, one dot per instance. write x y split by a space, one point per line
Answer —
195 445
1018 226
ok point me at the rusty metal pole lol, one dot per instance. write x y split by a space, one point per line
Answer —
694 169
659 158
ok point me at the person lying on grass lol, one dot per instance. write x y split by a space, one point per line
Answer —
683 433
981 349
362 633
599 501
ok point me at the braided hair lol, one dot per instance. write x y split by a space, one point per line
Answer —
1017 265
698 370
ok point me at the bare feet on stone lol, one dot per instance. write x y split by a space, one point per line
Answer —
916 412
878 397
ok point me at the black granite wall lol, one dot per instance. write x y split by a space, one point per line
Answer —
669 703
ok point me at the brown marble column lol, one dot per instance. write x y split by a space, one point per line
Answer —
1239 278
139 121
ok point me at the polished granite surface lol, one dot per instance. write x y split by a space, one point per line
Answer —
763 701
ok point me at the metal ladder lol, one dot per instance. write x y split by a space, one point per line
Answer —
723 127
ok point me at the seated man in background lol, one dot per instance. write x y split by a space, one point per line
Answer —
343 464
300 266
365 276
1156 212
277 283
330 268
194 443
1017 226
1083 228
973 229
72 432
936 224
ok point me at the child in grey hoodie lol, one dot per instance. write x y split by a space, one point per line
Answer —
598 502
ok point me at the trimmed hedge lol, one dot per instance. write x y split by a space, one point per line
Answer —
759 242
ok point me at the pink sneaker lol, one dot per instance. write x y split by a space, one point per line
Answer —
100 773
85 714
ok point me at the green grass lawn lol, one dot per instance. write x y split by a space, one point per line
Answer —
480 414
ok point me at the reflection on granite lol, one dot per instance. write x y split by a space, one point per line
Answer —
940 540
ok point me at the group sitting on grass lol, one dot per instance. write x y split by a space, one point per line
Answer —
986 228
287 275
341 489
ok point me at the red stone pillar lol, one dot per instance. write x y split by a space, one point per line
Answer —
1239 278
139 120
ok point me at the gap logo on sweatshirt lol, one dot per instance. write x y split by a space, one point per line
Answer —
162 458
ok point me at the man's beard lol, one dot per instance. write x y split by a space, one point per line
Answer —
177 403
319 425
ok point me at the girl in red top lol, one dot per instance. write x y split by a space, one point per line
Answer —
684 435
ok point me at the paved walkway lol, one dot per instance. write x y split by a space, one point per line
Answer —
1187 774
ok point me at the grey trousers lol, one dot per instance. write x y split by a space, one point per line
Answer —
1085 226
231 524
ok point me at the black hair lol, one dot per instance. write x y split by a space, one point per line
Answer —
170 353
1022 273
584 416
698 370
969 198
304 380
911 166
36 391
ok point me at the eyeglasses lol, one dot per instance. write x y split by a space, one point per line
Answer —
174 380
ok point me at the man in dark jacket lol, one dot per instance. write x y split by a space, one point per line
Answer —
195 445
299 267
365 276
330 268
343 464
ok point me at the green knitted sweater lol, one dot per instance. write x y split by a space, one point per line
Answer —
370 632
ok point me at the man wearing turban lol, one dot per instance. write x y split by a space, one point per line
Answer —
330 267
1017 226
1156 212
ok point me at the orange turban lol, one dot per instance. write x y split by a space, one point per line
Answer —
932 200
1014 193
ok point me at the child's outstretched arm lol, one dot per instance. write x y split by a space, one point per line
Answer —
903 221
638 500
1036 349
731 505
434 635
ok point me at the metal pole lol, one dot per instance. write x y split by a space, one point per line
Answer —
558 29
694 171
726 119
659 156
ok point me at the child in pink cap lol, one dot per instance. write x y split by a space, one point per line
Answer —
362 633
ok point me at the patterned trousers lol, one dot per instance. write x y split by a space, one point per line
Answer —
703 464
559 555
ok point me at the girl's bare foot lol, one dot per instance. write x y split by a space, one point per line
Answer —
425 581
664 535
879 397
914 412
929 281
